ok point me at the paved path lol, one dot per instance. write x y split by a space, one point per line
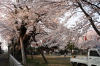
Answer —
4 59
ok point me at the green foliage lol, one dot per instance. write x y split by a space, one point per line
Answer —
71 46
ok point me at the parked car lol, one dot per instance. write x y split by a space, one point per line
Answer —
92 59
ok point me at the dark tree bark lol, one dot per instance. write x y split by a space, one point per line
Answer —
89 18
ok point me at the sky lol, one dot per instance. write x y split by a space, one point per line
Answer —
4 45
70 22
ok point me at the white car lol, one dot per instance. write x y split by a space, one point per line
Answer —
93 58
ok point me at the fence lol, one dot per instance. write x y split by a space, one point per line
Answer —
13 61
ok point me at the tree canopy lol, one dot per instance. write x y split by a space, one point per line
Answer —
48 20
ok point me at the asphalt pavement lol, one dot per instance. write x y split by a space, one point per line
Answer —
4 59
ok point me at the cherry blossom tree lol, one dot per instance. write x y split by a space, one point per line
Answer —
42 21
91 41
22 17
92 13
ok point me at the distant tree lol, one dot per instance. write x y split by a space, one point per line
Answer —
70 46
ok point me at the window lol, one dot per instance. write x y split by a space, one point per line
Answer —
94 53
99 50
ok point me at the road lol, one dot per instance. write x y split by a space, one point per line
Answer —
4 60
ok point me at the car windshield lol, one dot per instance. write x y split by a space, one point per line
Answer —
94 53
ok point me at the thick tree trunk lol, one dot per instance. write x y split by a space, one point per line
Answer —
22 51
31 53
42 55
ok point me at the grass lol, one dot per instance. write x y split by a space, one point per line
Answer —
52 60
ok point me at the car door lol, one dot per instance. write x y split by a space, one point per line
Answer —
93 58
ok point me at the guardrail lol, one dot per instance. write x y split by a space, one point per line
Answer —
13 61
